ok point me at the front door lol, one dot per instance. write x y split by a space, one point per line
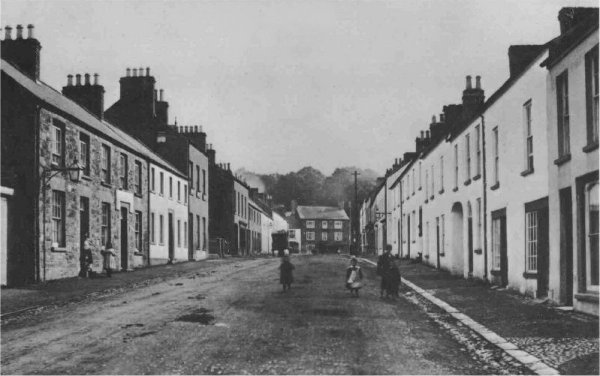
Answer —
543 255
190 233
437 240
470 241
171 238
408 232
84 220
566 246
503 253
124 235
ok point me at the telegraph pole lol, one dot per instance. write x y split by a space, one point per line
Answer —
355 214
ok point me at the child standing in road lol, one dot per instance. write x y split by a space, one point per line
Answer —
285 273
354 277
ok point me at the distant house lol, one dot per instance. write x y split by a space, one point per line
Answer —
323 229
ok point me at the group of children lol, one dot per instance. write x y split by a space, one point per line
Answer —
386 268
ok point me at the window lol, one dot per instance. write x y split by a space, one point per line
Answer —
152 180
310 224
138 177
152 229
138 230
84 153
58 218
123 171
58 142
185 234
161 182
338 236
178 190
105 229
323 224
204 242
161 229
170 187
477 151
191 176
197 232
413 181
468 155
591 89
179 233
324 236
455 166
426 185
591 229
198 178
204 181
337 224
432 181
442 173
496 234
528 136
420 176
496 160
105 164
185 195
562 99
291 234
479 225
531 241
427 238
310 235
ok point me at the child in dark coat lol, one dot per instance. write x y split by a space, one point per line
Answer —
285 273
393 280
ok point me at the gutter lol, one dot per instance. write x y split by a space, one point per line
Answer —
484 211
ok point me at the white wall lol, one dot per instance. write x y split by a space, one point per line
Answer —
163 204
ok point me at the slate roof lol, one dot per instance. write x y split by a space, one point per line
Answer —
49 95
321 212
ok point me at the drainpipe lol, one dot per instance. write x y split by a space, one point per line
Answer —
484 212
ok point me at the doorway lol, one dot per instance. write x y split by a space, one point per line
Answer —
408 235
470 238
499 251
190 235
437 241
566 246
84 220
457 239
171 238
124 236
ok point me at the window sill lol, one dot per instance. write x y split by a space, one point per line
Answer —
562 160
420 188
495 186
496 272
137 253
441 191
455 189
527 172
530 275
477 177
426 200
86 177
431 197
590 147
477 251
587 297
107 185
59 249
468 181
138 195
413 193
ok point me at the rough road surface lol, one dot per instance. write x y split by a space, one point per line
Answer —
234 319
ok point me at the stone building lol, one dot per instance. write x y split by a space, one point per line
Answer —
70 173
324 229
222 206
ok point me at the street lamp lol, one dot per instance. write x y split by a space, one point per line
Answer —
48 173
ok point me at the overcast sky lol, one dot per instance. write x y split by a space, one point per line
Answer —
279 85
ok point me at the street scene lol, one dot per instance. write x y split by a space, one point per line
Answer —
400 187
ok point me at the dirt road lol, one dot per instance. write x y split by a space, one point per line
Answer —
234 319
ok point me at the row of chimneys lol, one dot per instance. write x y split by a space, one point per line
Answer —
129 71
78 79
189 129
224 166
8 32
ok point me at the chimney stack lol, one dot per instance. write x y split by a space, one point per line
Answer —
472 99
91 97
22 53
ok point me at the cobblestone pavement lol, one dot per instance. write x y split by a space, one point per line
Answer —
565 340
234 319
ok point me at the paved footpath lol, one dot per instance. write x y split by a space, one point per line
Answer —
546 339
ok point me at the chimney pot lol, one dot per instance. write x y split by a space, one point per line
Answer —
422 134
228 166
8 33
128 72
147 71
427 134
69 80
87 78
134 72
78 79
141 71
96 79
433 119
160 95
19 32
469 86
442 119
478 82
30 31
